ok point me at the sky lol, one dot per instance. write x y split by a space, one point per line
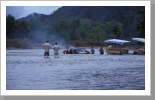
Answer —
22 11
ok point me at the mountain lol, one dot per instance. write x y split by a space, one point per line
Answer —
33 15
99 13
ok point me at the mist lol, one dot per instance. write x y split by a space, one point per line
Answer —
41 36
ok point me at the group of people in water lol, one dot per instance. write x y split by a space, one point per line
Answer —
100 50
73 51
92 50
47 46
70 51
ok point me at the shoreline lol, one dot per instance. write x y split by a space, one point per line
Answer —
87 47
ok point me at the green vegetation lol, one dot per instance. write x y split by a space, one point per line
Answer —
140 26
18 43
88 32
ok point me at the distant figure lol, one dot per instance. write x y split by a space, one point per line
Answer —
70 51
46 46
75 52
64 52
92 50
109 47
56 48
87 51
101 51
67 52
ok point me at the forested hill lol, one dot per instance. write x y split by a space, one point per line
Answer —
127 15
100 13
80 25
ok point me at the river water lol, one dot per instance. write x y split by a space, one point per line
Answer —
27 69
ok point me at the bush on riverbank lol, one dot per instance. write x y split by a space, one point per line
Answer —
18 43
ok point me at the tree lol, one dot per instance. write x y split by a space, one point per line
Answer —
75 23
140 26
21 29
99 32
10 26
113 29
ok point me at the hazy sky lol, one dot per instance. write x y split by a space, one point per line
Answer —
22 11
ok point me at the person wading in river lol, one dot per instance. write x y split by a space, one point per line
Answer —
101 50
92 50
56 48
46 46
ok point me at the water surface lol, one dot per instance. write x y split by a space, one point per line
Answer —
28 70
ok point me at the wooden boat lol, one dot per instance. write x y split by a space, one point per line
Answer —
117 50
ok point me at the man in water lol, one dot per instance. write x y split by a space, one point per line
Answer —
56 48
46 46
101 51
92 50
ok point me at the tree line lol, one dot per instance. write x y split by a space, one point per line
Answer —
73 31
77 31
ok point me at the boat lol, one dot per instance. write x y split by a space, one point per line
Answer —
117 49
139 50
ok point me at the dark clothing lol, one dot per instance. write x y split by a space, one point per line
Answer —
75 52
67 52
46 53
70 52
101 51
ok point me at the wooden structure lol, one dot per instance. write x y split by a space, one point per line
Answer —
117 50
113 51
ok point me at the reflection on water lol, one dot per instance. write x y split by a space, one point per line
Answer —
28 70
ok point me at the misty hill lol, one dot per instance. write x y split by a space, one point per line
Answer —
99 13
33 15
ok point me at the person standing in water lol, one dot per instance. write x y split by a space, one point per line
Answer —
101 50
92 50
46 46
56 48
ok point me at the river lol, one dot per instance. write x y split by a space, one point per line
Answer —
27 69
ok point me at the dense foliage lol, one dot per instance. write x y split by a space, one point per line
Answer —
140 26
